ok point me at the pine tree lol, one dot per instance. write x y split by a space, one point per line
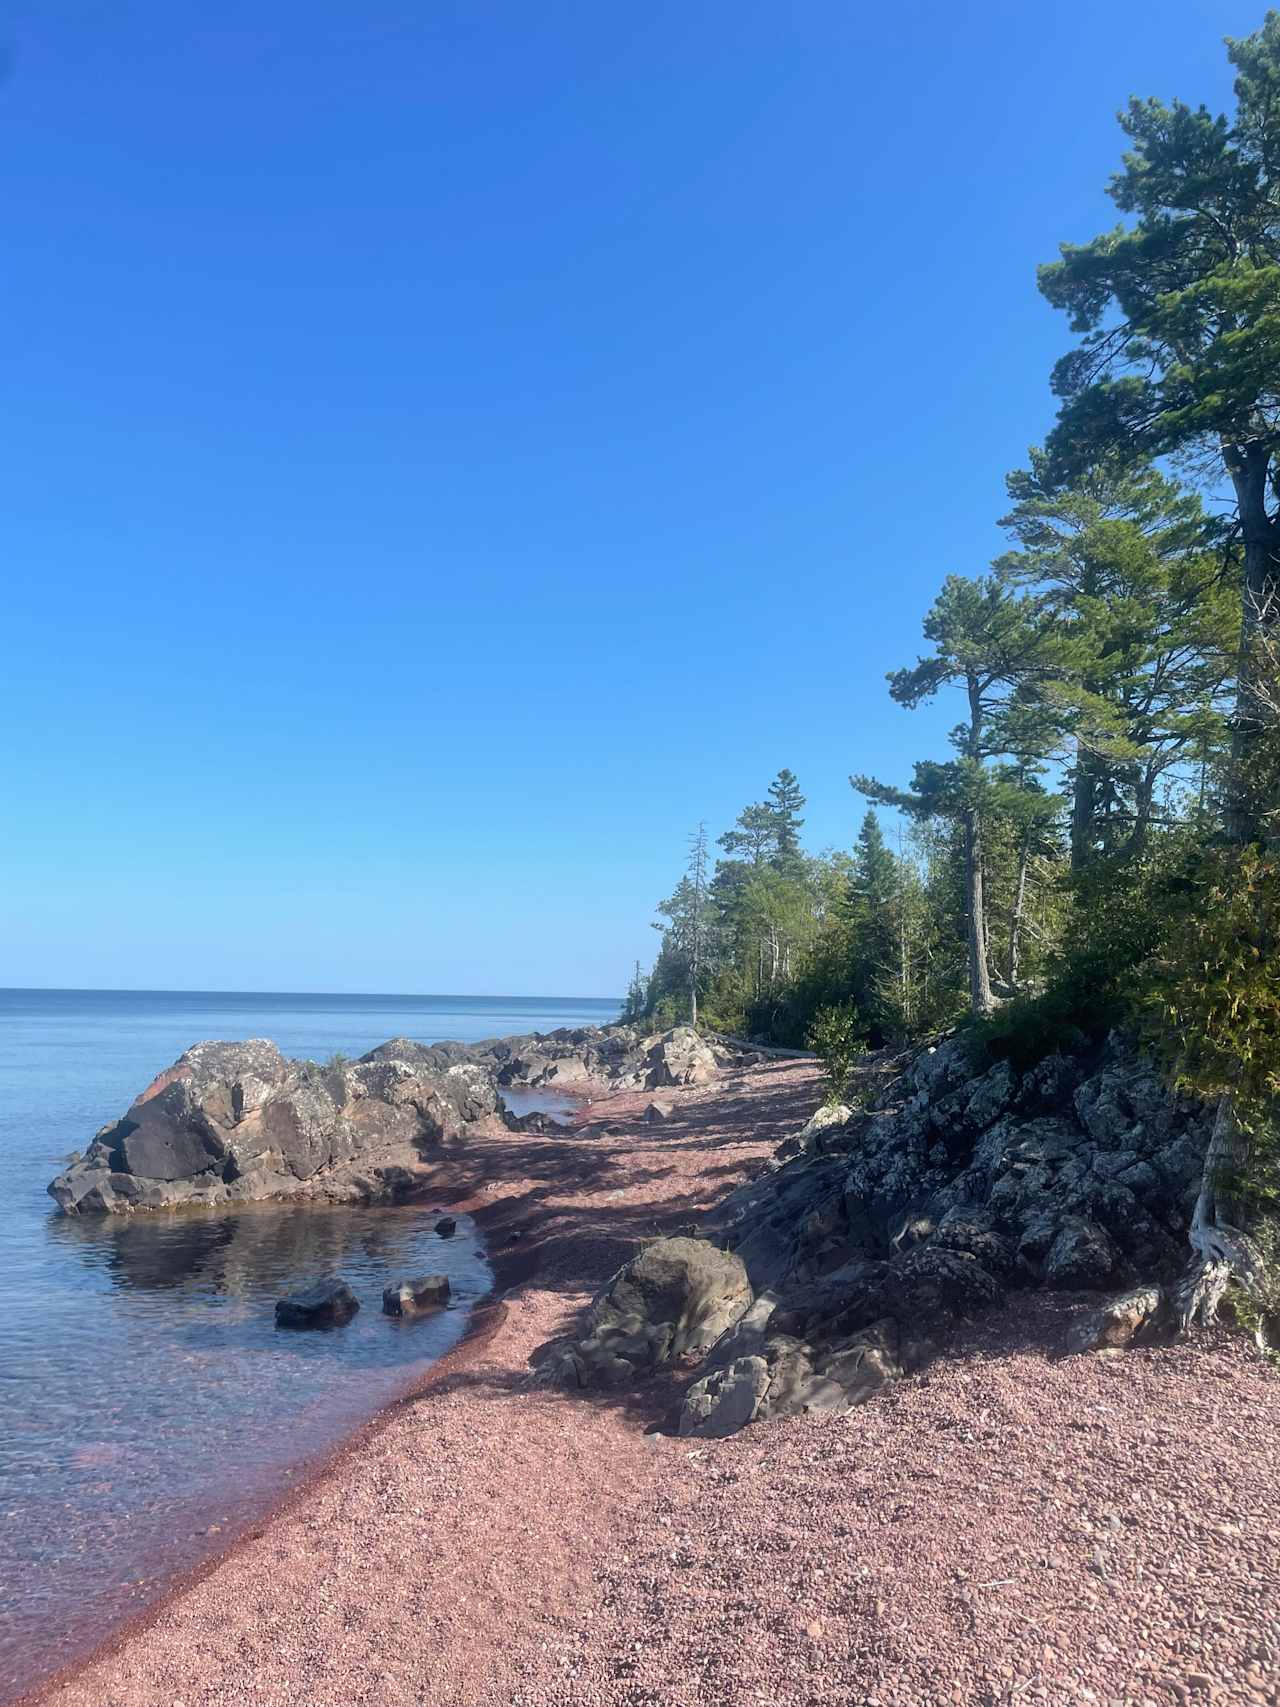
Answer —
785 802
995 647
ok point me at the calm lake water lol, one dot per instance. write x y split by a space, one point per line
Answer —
147 1401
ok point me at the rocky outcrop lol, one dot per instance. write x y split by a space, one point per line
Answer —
622 1057
1075 1174
673 1301
875 1229
235 1122
879 1227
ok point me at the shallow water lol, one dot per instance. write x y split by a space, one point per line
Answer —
147 1401
554 1104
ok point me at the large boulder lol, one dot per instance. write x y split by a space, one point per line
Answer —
234 1122
672 1301
679 1057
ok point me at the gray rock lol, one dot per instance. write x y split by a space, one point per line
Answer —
830 1117
235 1122
674 1300
1081 1255
726 1400
327 1304
679 1057
656 1113
1134 1318
408 1297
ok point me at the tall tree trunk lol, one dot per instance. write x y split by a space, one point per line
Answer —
1249 466
1220 1248
1019 908
980 998
1084 796
1144 801
904 970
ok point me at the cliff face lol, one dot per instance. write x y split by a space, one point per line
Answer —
234 1122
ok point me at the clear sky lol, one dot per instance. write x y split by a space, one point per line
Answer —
452 446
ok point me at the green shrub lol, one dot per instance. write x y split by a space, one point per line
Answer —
1100 977
838 1036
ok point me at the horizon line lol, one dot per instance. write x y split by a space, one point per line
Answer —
202 990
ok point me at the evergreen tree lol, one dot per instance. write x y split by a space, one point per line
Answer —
995 647
785 802
1126 562
1180 320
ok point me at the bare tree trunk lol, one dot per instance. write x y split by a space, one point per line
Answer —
1220 1249
904 969
980 997
1144 800
1019 908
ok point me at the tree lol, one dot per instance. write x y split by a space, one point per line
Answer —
1180 320
754 834
785 801
1125 561
872 906
689 922
994 646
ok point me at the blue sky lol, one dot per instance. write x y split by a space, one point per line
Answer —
452 448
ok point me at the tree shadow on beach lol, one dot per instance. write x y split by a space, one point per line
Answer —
574 1218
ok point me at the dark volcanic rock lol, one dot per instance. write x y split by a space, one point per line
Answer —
918 1210
446 1226
327 1304
234 1122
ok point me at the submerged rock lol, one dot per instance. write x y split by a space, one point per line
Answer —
407 1297
327 1304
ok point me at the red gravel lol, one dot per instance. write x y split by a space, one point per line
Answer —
1004 1527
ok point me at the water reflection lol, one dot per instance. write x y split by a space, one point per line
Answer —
146 1395
244 1252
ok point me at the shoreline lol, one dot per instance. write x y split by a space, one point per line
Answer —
1006 1525
511 1268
